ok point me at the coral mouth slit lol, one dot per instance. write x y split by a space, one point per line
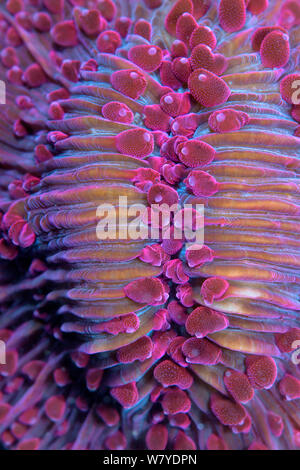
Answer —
142 343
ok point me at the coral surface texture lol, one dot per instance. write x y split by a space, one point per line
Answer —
112 338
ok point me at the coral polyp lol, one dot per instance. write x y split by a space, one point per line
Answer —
126 342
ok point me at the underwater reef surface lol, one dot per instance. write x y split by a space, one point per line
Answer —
145 344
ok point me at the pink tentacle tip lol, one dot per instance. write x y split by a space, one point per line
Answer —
185 25
276 423
175 350
203 321
143 28
93 378
177 312
154 254
232 15
176 401
178 49
182 69
156 118
195 153
127 395
261 371
183 442
184 293
55 407
275 49
227 412
116 441
92 22
109 415
136 142
118 112
174 270
130 82
197 255
175 104
162 194
64 34
168 373
207 88
149 291
238 386
180 7
148 57
215 442
289 387
227 120
108 41
214 289
201 183
256 7
201 351
203 35
157 437
290 14
140 350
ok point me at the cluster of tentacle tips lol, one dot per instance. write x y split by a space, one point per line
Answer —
145 343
